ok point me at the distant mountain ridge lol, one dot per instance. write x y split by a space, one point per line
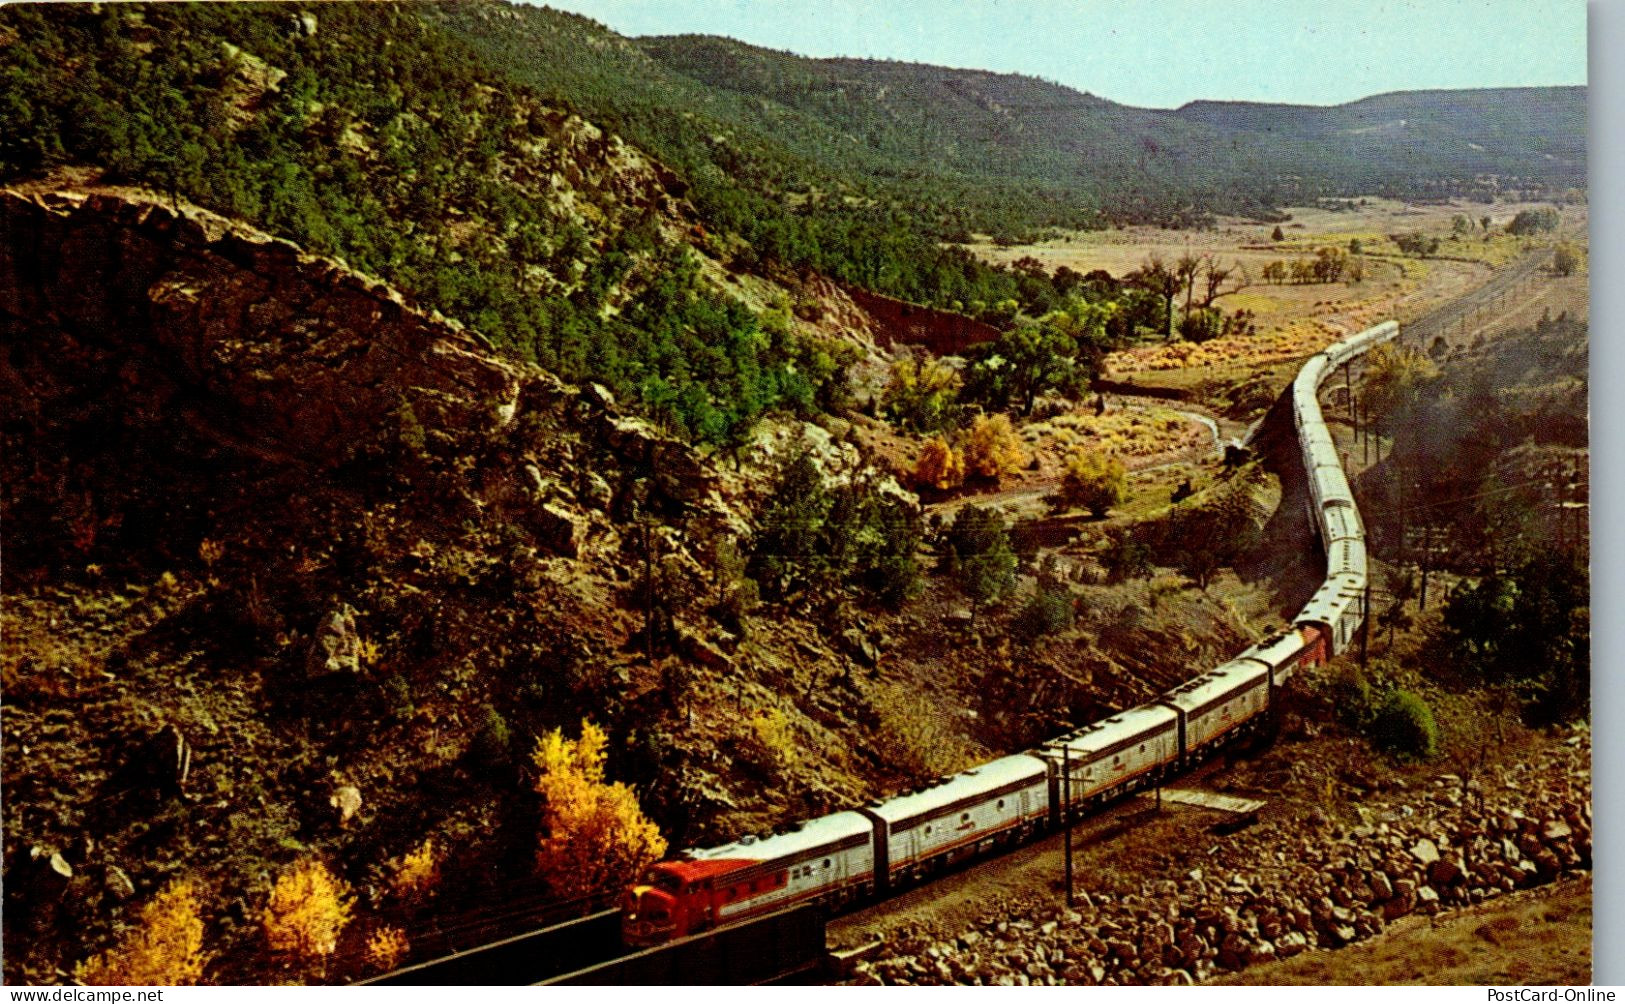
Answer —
1534 124
859 168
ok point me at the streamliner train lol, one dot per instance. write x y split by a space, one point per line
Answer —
871 850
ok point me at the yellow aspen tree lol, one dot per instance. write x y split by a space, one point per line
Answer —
594 836
309 909
165 949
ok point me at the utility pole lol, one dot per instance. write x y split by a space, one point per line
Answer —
1365 444
1348 392
1066 813
1365 624
1427 562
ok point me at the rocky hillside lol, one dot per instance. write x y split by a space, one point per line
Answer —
365 133
295 568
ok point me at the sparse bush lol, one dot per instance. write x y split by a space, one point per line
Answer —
1350 695
776 736
491 743
1404 726
386 949
1535 221
398 697
1566 260
922 397
308 910
1164 586
1048 612
1125 558
1202 325
165 948
1417 244
417 874
939 466
1094 481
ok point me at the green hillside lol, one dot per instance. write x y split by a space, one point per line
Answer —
1003 153
1535 137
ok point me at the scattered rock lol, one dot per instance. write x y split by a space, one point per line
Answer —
1425 851
118 883
558 530
347 800
337 646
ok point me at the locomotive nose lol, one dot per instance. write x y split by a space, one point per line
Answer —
646 916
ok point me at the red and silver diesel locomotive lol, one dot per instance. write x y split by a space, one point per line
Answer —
873 849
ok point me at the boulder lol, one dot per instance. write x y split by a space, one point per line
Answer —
1425 851
347 800
700 650
1445 871
337 646
118 883
558 530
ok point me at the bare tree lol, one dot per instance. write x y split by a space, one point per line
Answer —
1186 270
1217 276
1155 277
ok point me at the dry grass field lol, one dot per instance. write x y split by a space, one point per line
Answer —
1294 320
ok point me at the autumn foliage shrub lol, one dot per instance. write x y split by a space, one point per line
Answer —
1094 481
165 949
594 835
416 874
939 465
308 910
386 949
992 447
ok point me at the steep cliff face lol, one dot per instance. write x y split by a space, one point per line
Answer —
277 541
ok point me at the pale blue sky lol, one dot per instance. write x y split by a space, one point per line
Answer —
1162 53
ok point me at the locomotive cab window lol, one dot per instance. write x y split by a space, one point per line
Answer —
1001 803
826 862
964 817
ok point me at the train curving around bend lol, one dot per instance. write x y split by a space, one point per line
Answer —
874 849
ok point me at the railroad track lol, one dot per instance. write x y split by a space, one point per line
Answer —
741 950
